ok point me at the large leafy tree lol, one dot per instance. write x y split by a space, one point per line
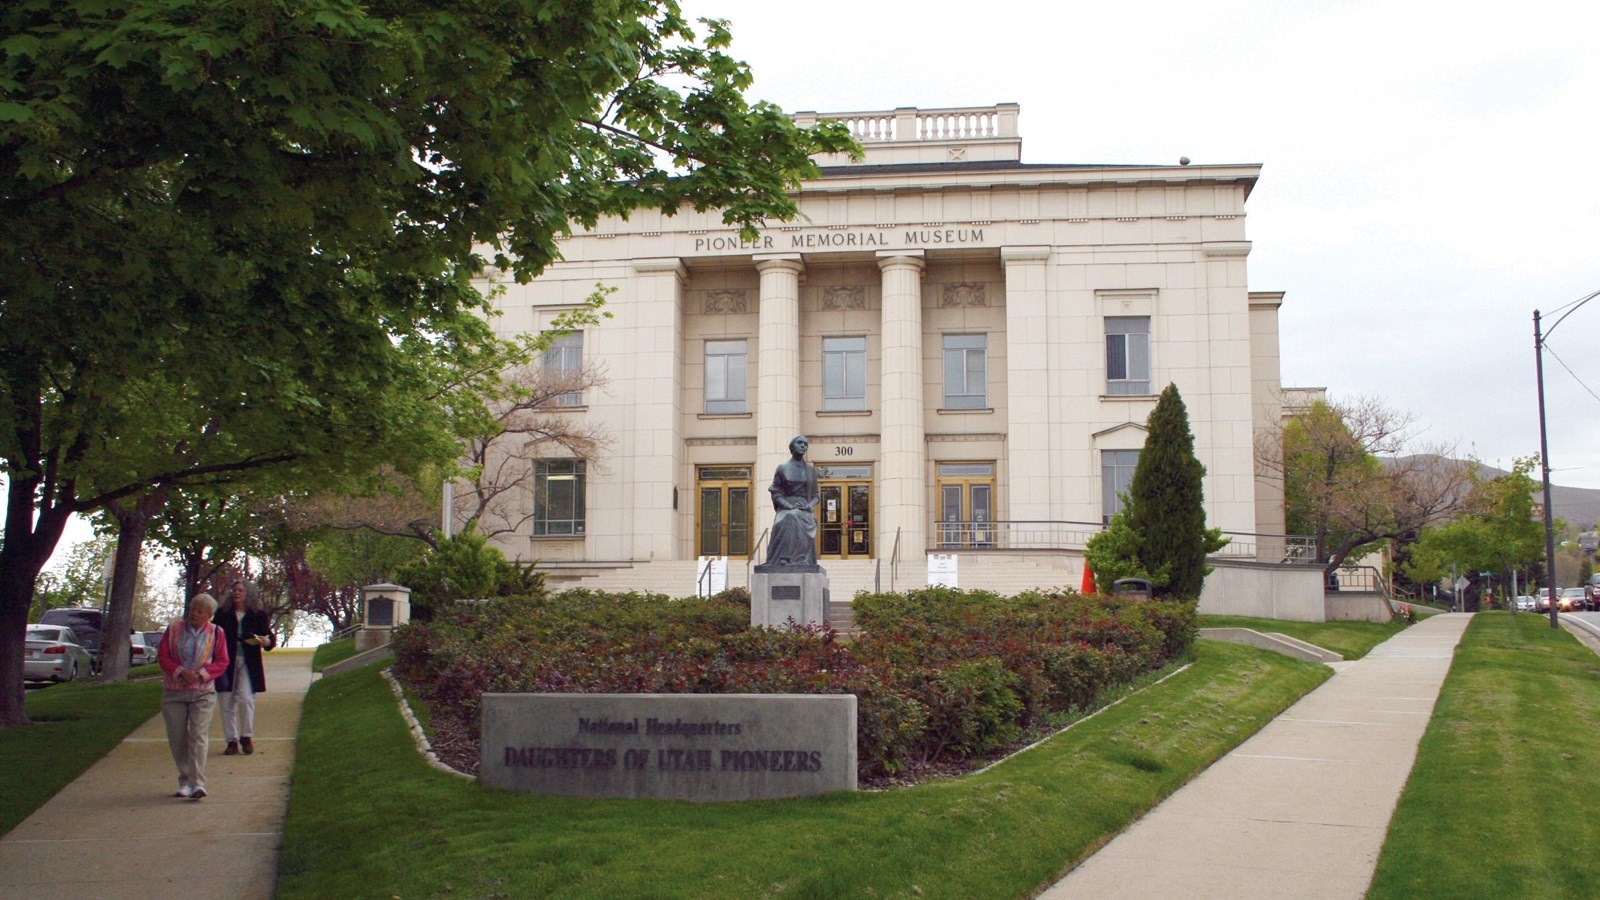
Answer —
1352 479
310 188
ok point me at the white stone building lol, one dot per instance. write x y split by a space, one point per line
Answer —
971 343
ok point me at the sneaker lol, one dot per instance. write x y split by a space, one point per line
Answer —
233 748
197 794
183 791
249 746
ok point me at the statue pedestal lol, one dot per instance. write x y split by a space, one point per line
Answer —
780 595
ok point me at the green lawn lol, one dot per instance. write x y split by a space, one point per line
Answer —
73 726
1501 802
332 652
356 828
1352 640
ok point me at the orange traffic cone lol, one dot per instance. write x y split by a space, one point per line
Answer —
1088 580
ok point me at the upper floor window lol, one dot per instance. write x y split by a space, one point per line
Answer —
557 497
725 376
844 373
563 362
1127 355
966 371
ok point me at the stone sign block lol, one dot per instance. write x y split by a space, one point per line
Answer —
779 594
700 747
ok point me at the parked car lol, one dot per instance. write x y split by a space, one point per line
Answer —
84 622
152 639
1571 600
53 653
139 652
1526 603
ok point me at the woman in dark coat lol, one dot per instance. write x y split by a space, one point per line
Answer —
248 631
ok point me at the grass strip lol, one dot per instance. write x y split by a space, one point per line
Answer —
1007 832
73 725
332 652
1352 640
1501 800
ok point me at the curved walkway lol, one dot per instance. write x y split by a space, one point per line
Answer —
118 832
1302 808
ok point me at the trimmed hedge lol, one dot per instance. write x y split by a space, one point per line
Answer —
939 674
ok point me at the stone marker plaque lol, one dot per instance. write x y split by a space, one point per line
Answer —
701 747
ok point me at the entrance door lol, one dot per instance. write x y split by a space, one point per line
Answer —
844 518
966 505
722 516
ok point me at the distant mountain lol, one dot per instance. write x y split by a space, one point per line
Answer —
1580 507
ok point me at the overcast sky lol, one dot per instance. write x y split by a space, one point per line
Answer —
1431 171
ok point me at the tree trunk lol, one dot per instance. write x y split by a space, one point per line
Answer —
28 545
133 523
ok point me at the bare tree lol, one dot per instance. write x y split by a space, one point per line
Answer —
1352 477
529 425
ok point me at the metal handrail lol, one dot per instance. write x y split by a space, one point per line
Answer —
700 579
894 562
755 553
1060 534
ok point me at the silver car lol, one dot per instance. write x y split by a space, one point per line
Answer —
139 651
52 653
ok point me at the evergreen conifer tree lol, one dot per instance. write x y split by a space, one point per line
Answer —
1166 506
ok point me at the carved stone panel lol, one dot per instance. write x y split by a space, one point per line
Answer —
844 296
967 293
730 300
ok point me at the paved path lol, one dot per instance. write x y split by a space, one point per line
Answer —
118 832
1300 809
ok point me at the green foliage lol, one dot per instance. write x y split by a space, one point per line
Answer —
464 567
1498 532
309 188
1116 553
358 557
1163 534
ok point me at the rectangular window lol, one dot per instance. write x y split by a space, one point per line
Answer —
1127 355
563 363
844 373
557 497
725 376
966 371
1116 475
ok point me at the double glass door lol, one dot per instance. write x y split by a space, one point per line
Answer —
844 518
722 517
966 505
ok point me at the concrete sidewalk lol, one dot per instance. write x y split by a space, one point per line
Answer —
1302 808
118 832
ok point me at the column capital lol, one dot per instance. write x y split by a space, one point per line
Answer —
1024 254
890 259
779 261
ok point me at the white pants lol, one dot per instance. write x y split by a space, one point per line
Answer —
238 705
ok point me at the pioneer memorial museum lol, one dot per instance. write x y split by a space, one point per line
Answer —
971 343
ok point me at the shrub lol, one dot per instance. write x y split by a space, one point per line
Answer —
939 673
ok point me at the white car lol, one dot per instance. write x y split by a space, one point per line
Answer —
52 653
139 653
1525 603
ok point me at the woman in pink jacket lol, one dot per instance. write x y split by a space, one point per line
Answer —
193 653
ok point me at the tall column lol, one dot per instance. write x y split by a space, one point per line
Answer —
778 376
902 483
